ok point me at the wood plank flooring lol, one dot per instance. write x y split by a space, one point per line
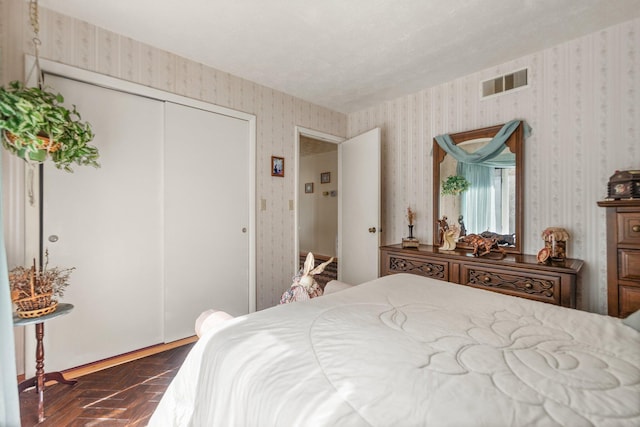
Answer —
124 395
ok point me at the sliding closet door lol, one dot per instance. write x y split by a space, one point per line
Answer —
107 223
207 195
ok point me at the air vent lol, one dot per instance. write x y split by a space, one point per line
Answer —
504 83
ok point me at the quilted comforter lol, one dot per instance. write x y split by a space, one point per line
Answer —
404 350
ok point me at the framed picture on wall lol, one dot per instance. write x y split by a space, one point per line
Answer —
308 187
277 166
325 177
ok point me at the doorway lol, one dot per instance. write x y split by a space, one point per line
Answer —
357 186
318 204
317 201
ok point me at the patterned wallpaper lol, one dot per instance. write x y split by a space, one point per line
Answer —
76 43
583 103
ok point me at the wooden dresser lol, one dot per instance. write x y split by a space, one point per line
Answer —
518 275
623 256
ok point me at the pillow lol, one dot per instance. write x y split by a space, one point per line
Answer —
208 319
335 286
633 320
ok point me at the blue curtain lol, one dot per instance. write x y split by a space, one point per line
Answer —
9 403
488 152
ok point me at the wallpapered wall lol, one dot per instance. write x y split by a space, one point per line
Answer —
73 42
583 103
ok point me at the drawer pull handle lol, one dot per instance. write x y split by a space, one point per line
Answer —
486 279
636 228
429 269
528 285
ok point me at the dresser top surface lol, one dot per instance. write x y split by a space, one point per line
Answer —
509 260
619 203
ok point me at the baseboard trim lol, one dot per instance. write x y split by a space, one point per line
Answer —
126 357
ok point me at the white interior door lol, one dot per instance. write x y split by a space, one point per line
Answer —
107 225
359 208
207 172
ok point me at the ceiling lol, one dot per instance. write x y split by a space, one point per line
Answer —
348 55
310 146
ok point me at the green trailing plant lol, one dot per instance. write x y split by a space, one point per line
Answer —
35 125
454 185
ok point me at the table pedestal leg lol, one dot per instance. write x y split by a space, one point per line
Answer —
41 377
40 369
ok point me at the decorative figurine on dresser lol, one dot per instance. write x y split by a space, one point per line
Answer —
555 245
463 229
450 238
498 149
443 227
623 243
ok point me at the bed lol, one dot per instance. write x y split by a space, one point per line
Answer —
405 350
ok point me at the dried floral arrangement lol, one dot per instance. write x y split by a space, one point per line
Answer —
32 289
410 215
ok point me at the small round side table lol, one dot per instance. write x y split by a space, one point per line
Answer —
41 377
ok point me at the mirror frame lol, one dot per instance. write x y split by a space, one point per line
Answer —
515 144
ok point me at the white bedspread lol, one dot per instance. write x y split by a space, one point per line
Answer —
404 350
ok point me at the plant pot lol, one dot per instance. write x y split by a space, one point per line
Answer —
22 149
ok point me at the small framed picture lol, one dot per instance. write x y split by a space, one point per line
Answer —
277 166
325 177
308 187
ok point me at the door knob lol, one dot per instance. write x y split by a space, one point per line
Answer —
372 229
53 238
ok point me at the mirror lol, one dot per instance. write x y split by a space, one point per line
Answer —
493 201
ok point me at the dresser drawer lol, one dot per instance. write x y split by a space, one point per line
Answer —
532 286
629 299
629 228
629 264
401 263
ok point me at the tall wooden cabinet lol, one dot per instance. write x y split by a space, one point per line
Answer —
623 256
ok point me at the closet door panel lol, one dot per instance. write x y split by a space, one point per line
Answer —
206 195
108 223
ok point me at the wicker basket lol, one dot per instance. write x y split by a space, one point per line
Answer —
35 306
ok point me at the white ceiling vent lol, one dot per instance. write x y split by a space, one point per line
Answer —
505 83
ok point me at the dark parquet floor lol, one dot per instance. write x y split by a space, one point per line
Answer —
124 395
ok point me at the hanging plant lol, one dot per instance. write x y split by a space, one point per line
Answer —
36 125
454 185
